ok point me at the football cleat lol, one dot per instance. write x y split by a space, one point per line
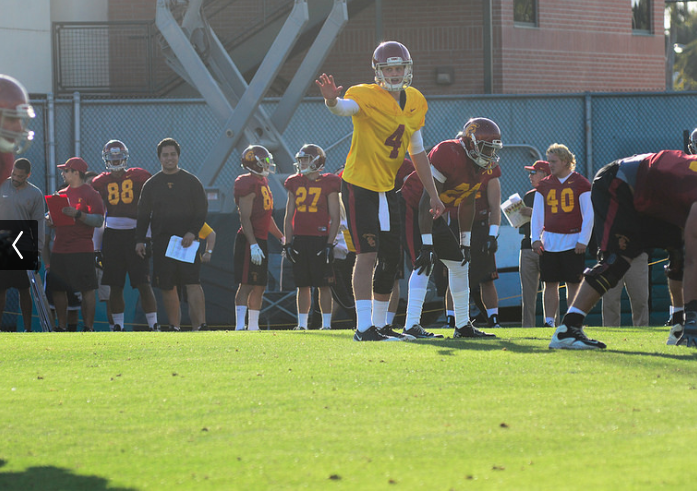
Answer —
300 328
372 334
420 333
568 337
689 334
389 332
493 320
469 331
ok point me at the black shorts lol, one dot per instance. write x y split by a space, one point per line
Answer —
311 269
446 244
118 249
565 266
482 266
246 272
362 215
168 272
74 302
13 278
73 271
618 227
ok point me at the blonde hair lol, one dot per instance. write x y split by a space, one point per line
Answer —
564 154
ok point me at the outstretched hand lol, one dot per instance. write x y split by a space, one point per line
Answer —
328 88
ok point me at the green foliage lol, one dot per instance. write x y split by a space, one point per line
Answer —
684 23
315 410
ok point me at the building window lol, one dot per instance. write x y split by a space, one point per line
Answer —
525 11
641 15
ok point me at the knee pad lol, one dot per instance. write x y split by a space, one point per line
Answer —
385 273
607 273
676 264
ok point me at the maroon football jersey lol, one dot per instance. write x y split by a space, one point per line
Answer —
666 185
311 215
121 194
481 203
462 176
262 208
562 205
402 174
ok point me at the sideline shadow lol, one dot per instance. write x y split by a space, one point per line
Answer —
50 478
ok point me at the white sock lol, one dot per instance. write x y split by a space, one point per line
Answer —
302 320
415 304
151 318
363 315
389 317
327 320
253 320
379 312
241 311
676 309
458 277
549 321
490 312
118 319
111 327
450 313
576 310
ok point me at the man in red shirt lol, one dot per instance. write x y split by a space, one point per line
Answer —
72 256
640 202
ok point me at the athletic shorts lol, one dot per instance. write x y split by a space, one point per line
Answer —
445 243
13 278
311 269
168 272
482 266
565 266
618 227
119 252
74 302
73 271
363 210
246 272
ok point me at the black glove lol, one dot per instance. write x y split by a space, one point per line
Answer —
427 258
291 253
327 253
37 263
466 254
99 260
491 245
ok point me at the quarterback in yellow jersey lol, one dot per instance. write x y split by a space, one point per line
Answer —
387 119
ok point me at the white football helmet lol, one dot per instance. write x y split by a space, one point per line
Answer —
115 155
310 158
692 145
15 113
389 54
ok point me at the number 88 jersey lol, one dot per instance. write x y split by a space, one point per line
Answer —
121 192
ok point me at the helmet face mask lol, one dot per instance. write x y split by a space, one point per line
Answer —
258 160
310 158
481 139
115 155
15 113
692 145
390 55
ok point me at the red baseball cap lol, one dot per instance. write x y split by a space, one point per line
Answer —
75 163
540 166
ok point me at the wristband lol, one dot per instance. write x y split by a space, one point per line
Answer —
427 239
78 214
494 230
210 251
465 238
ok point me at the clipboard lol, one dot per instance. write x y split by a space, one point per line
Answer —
56 203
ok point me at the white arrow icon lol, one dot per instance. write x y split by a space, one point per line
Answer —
14 244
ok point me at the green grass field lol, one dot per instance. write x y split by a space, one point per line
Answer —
314 410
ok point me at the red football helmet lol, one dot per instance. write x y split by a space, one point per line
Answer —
390 54
310 158
481 139
15 113
258 160
692 145
115 155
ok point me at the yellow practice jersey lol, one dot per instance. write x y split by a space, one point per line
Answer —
381 135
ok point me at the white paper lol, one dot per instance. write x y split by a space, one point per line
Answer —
512 209
176 251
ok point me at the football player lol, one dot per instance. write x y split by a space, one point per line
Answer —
640 202
310 226
15 113
120 188
458 167
561 227
387 120
255 205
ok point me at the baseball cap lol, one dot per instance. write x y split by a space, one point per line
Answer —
75 163
540 166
